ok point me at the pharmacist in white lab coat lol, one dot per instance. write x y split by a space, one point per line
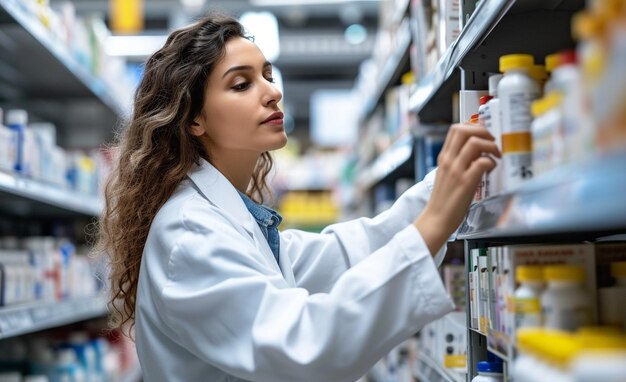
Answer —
214 291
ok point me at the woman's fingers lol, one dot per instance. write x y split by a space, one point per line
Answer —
474 148
459 134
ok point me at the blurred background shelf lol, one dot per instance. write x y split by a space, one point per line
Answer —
36 316
427 370
391 73
26 197
397 158
38 71
581 198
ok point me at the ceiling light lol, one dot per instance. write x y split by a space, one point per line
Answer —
133 46
263 26
193 4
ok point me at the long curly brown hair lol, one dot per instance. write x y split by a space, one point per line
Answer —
155 150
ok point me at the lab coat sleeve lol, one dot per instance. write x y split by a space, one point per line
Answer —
319 259
225 306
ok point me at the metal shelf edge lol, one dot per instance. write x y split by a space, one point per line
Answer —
48 194
582 197
23 319
95 85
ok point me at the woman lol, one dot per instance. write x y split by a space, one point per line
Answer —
198 267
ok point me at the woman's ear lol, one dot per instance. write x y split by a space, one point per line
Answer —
196 128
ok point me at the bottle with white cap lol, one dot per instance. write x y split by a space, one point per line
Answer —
517 90
493 179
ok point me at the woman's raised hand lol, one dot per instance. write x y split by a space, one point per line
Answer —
461 165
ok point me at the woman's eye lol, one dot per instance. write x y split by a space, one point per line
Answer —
270 79
241 86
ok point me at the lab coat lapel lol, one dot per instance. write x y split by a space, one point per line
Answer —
219 191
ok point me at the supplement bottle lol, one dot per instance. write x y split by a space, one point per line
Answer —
526 298
565 303
517 90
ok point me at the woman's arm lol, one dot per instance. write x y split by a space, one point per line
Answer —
319 259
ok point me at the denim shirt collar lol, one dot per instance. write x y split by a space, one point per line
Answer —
264 216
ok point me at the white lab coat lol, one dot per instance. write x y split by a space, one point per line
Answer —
213 305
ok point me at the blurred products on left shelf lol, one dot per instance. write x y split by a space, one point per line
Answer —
30 150
47 269
82 353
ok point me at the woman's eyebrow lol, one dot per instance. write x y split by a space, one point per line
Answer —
244 68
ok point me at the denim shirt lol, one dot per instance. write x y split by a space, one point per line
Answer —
268 220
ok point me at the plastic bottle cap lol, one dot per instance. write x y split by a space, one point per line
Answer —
494 80
618 269
553 61
585 26
547 103
516 61
538 72
529 273
564 273
568 57
17 117
489 367
408 78
484 99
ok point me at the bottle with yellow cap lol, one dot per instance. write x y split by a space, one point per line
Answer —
565 303
547 133
539 74
517 90
526 298
611 300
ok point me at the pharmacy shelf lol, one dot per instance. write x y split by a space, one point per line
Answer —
390 74
36 316
482 20
427 370
37 68
133 374
496 27
577 198
21 196
387 163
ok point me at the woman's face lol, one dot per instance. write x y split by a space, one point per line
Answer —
240 111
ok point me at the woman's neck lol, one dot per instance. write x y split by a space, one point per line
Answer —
236 166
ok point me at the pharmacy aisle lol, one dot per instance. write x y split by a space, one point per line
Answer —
539 282
60 98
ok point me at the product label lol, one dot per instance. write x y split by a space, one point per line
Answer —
518 142
516 114
527 312
570 318
517 168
